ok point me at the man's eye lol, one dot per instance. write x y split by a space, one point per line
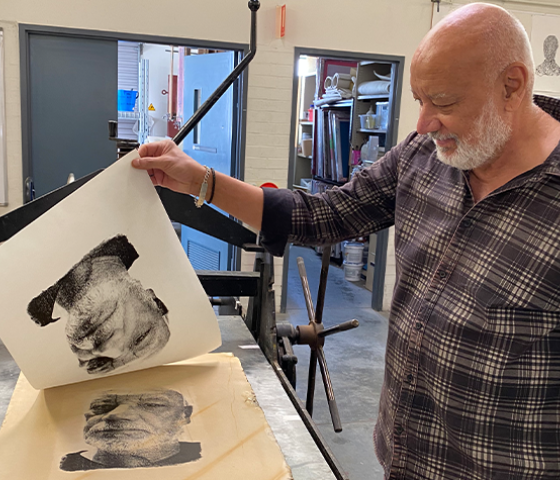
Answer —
142 337
444 106
154 405
101 409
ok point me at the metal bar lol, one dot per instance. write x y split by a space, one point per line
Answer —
212 99
313 359
329 390
310 424
230 284
306 291
323 283
311 377
339 328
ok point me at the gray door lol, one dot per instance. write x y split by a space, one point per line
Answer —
210 143
72 96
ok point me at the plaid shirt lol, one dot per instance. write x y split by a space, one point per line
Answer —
472 376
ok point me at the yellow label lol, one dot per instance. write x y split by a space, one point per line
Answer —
151 108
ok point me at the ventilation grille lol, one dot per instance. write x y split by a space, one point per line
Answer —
203 258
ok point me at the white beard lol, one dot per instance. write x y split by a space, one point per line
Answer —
488 137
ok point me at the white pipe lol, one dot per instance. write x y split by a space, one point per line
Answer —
170 99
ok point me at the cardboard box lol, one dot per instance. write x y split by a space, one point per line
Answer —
306 147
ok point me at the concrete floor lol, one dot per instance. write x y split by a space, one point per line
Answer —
355 359
9 373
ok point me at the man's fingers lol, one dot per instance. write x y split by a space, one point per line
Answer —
147 163
155 149
148 149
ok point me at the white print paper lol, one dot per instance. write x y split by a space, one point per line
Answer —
191 420
100 285
545 37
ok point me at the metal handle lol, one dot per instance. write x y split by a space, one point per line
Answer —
29 190
329 390
339 328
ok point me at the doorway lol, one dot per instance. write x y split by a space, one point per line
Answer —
339 125
74 81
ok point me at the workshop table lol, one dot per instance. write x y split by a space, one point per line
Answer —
299 449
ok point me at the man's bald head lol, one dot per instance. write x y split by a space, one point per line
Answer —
480 38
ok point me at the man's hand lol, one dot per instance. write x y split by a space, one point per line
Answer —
170 167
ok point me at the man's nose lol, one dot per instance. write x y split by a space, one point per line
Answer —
428 120
120 412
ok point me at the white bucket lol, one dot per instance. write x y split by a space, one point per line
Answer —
352 271
353 252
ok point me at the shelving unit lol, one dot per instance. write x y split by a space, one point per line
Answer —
306 95
363 130
367 68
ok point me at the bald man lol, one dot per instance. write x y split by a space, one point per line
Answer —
472 377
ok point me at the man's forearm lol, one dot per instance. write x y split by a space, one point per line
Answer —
243 201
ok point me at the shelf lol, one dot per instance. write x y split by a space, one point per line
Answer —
338 104
373 97
363 130
326 180
303 156
374 62
305 122
128 115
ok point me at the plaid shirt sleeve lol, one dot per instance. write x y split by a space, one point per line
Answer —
364 205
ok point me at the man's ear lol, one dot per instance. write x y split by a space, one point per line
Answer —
40 309
187 410
514 79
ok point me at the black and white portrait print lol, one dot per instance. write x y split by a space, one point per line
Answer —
549 67
134 430
111 320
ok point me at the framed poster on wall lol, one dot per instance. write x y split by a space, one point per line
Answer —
545 36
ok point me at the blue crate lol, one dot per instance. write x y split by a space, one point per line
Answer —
126 100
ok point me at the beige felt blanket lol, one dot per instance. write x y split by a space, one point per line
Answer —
41 427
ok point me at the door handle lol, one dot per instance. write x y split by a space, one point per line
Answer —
200 148
29 190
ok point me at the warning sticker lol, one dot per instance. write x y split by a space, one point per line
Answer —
151 108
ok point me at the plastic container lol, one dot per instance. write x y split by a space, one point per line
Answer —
126 100
382 113
353 253
370 150
353 271
367 121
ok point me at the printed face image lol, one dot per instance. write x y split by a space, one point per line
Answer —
132 430
111 320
